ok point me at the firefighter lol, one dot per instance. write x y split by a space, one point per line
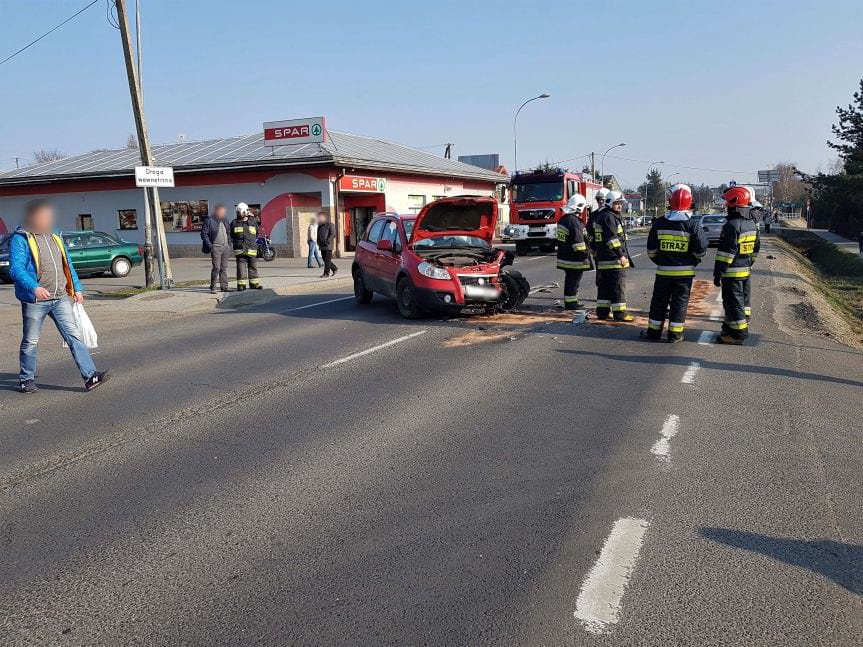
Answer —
612 257
601 196
676 245
573 256
738 246
244 237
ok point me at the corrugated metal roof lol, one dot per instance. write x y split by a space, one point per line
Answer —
341 149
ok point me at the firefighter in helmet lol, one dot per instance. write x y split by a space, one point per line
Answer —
573 256
676 245
244 238
738 246
612 258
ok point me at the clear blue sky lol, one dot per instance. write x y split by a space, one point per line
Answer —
724 85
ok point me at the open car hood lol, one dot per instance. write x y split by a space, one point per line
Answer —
457 217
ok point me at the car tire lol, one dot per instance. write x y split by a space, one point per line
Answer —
546 248
362 294
522 247
120 267
406 300
516 289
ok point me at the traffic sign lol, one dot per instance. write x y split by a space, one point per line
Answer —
157 176
311 130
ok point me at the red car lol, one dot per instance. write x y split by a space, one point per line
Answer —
440 260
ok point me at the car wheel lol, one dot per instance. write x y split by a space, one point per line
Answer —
546 248
522 247
515 289
121 266
361 293
407 301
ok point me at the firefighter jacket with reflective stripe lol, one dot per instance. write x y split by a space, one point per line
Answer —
609 240
244 236
738 245
676 244
572 253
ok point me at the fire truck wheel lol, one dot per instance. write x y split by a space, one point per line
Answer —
522 247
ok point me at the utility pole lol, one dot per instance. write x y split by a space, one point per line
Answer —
593 166
167 280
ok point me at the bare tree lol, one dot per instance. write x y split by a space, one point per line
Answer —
48 155
789 188
131 142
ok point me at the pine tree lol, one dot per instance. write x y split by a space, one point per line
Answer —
653 191
849 131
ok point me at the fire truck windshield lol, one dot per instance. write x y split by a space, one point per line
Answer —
538 192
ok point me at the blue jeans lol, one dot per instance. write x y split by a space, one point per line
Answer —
60 310
315 253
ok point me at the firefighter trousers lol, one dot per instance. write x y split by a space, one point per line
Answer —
734 296
571 282
610 293
670 300
747 296
247 271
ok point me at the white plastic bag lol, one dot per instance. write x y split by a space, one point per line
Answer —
88 332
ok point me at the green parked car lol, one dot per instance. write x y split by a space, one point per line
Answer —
91 252
95 252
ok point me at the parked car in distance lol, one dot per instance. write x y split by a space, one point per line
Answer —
712 225
439 260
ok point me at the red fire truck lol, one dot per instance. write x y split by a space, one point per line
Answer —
536 204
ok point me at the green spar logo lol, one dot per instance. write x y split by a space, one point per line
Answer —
316 130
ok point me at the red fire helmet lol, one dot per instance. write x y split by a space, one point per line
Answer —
681 198
737 196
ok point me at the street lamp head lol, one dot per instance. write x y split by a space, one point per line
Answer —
622 144
544 95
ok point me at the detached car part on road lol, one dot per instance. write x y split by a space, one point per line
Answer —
440 260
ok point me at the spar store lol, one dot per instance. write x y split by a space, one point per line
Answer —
351 177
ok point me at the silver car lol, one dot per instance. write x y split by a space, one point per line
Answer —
712 225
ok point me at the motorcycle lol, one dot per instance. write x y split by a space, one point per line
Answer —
265 248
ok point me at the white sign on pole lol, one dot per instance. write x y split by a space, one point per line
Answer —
311 130
156 176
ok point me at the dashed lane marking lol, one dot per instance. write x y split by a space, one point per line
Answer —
669 430
599 602
706 337
689 375
314 305
368 351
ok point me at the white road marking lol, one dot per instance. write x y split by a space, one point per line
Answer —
598 603
669 430
367 351
636 255
689 375
706 337
314 305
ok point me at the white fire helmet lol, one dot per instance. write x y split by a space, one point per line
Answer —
575 204
242 208
612 197
753 201
601 195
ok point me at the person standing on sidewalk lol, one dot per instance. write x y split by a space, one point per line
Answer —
312 239
217 243
326 239
860 242
244 240
46 284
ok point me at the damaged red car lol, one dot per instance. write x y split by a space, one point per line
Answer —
441 260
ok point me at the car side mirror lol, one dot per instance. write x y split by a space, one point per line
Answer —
385 245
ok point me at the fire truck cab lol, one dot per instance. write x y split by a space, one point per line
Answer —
537 199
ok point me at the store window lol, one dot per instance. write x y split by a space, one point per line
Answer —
84 222
416 202
184 215
128 219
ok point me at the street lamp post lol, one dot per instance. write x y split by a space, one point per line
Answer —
544 95
602 162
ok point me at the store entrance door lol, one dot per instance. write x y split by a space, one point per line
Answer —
359 219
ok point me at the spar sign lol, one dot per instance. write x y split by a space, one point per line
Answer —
362 184
311 130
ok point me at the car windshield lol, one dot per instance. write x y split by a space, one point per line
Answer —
538 192
409 227
713 220
450 242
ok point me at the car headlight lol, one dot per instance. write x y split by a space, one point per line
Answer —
433 271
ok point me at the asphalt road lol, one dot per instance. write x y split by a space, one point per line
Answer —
310 472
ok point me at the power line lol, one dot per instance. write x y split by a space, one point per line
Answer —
50 31
690 168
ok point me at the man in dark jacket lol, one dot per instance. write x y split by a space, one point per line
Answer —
612 258
244 240
326 240
738 246
572 255
217 243
676 245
